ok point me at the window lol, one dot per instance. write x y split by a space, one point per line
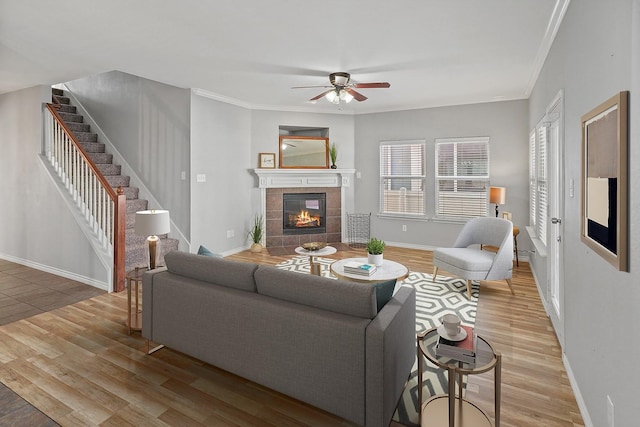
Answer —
538 189
402 178
462 177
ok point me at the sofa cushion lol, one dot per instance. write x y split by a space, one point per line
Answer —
338 296
232 274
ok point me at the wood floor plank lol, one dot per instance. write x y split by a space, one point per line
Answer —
80 367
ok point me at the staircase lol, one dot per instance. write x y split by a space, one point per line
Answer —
136 254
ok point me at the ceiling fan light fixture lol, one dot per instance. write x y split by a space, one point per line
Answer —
346 96
333 97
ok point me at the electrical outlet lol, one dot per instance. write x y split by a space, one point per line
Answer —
201 177
183 175
404 227
358 175
609 412
230 234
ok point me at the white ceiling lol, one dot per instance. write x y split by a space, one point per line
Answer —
251 52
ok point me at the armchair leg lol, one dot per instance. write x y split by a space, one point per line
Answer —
435 273
469 289
510 287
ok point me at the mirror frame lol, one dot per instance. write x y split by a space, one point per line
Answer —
303 140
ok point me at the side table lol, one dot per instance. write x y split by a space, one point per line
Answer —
134 309
316 268
443 410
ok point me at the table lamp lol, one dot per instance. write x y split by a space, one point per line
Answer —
151 223
497 195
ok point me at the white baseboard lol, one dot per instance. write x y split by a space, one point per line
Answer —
53 270
576 392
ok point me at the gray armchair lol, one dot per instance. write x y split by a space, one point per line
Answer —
468 261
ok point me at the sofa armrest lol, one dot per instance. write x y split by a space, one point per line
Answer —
147 301
391 353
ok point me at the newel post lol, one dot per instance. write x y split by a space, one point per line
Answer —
120 218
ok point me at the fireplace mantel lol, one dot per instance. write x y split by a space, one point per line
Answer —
301 178
273 180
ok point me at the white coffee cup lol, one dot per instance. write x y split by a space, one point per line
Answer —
451 323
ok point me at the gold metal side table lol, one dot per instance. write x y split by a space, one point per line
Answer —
134 308
452 409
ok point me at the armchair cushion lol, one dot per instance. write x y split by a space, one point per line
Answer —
468 259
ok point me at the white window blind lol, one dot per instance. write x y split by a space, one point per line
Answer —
533 193
462 177
402 178
542 189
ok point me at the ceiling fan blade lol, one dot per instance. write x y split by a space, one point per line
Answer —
372 85
315 98
307 87
356 95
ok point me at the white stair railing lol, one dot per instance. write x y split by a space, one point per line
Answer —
103 207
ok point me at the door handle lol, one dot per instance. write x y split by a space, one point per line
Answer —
556 221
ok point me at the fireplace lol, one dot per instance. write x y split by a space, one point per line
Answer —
303 213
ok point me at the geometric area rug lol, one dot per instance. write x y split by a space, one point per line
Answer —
433 300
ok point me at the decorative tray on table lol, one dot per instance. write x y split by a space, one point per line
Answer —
314 246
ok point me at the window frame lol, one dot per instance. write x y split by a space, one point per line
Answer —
383 184
483 209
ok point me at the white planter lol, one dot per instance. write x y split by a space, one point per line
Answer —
374 259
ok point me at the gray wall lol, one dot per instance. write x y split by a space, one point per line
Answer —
220 150
36 226
595 55
505 123
148 123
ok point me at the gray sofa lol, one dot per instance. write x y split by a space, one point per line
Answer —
318 340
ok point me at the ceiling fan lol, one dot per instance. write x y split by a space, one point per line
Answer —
342 89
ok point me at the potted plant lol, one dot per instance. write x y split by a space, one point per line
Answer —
256 234
333 153
375 247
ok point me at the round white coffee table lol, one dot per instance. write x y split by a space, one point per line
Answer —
387 271
316 268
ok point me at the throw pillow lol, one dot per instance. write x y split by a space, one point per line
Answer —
206 252
384 292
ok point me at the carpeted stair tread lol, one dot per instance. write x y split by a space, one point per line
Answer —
93 147
62 99
116 181
78 127
56 91
130 192
101 158
136 205
133 239
67 108
110 169
131 220
71 117
86 136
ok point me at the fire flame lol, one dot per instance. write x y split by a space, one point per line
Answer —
303 219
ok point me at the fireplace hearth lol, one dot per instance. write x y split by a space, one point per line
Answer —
303 213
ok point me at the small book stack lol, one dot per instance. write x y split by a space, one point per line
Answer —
464 350
359 268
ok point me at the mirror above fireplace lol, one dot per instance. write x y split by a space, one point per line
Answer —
302 152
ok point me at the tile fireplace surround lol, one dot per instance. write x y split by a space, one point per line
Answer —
273 183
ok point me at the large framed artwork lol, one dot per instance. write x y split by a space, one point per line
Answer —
605 144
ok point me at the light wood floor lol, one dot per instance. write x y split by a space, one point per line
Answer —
78 365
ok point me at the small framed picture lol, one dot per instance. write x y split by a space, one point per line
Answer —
267 160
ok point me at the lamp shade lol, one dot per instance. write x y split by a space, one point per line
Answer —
497 195
152 222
